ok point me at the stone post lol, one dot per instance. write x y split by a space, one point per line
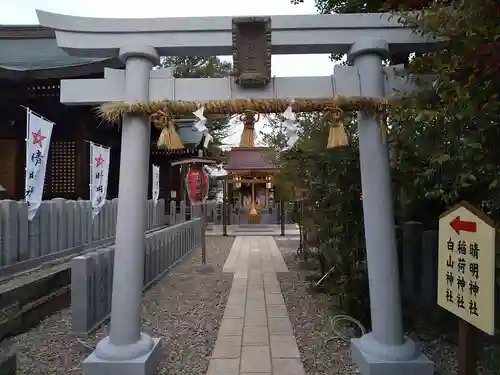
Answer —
128 351
385 350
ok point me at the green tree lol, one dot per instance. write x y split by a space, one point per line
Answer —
363 6
449 139
346 6
198 67
443 143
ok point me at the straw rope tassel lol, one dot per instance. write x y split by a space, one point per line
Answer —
168 139
337 136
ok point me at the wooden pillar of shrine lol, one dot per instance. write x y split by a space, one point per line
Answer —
12 134
84 133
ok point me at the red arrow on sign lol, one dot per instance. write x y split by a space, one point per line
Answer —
465 226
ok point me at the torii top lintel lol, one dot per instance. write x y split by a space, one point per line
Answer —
211 36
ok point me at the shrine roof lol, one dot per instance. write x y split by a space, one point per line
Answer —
28 49
249 158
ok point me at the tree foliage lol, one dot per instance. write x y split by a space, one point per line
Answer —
345 6
450 141
198 67
443 146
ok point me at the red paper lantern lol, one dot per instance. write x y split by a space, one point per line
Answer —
197 185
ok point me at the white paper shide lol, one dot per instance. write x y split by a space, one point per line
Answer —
155 186
39 132
290 126
201 126
99 170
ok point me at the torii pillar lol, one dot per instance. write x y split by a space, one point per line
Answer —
385 350
128 351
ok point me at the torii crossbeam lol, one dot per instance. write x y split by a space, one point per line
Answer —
212 36
344 81
366 38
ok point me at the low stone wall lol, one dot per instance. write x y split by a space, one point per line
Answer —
60 228
92 273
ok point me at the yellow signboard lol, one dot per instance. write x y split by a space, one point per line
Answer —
466 266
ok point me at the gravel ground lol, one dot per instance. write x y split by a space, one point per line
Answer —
184 309
322 351
442 348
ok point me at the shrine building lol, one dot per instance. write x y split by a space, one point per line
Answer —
250 170
31 69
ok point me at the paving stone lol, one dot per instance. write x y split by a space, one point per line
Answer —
274 299
240 289
231 327
234 311
272 286
227 347
254 276
284 347
253 305
272 289
256 303
280 326
255 318
236 299
270 276
255 359
256 335
240 275
288 366
224 367
240 283
277 311
271 281
256 288
255 295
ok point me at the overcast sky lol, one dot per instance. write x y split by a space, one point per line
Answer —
23 12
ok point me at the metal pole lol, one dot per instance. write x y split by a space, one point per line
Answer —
203 229
300 223
282 217
224 208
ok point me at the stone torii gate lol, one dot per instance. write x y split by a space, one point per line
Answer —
366 38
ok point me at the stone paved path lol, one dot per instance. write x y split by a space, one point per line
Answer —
255 336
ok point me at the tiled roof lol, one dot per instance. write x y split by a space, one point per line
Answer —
251 158
34 48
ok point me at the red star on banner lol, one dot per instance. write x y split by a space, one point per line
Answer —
38 137
99 160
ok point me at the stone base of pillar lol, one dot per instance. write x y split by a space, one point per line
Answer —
205 268
370 363
143 365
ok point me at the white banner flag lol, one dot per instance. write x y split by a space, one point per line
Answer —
99 169
38 136
156 184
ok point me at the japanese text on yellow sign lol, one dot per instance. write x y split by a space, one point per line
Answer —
466 267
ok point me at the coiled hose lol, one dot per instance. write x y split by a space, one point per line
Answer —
339 334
